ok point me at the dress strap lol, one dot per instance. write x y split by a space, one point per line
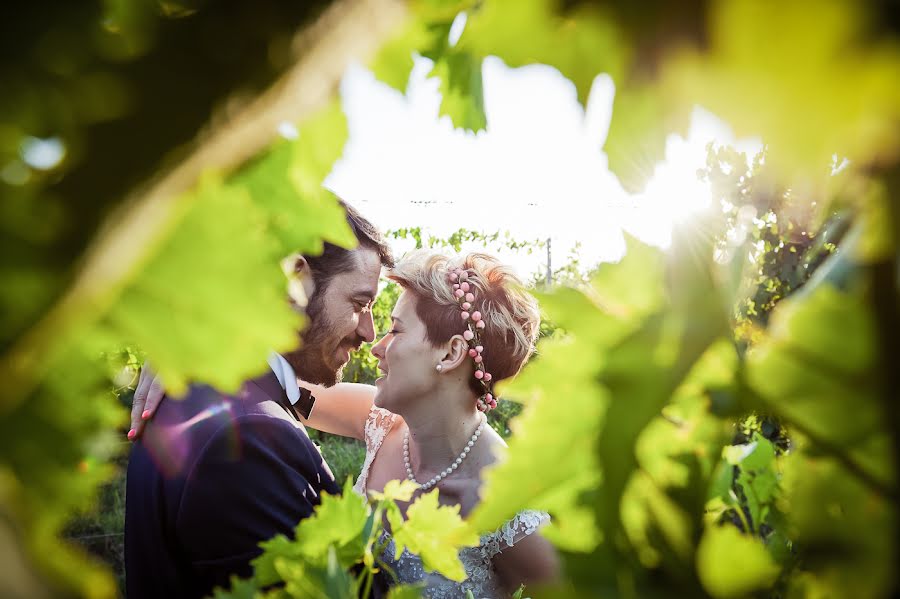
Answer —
378 424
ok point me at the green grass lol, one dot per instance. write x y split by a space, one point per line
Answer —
100 531
344 455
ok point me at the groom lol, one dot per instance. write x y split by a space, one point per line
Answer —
214 475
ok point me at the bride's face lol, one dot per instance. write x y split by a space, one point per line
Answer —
405 358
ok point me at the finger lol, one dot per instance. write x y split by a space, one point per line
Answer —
139 400
137 407
154 396
144 382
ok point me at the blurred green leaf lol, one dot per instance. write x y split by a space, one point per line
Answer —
806 371
211 272
42 484
394 61
642 119
286 183
807 91
405 591
581 43
461 89
632 288
549 468
731 564
840 527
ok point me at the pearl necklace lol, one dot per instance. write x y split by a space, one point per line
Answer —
439 477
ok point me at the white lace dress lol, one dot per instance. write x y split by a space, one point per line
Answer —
478 561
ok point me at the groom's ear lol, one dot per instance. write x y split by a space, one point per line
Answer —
300 279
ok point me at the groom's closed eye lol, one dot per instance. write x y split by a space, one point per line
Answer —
363 302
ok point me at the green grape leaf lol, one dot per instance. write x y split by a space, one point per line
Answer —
286 182
406 591
686 434
305 580
804 372
757 475
549 468
239 589
808 92
832 514
632 288
731 564
338 523
647 371
279 546
435 533
579 312
394 60
648 515
218 274
642 119
581 44
755 456
42 484
426 33
395 490
461 89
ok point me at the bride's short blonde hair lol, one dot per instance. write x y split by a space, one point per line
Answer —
511 314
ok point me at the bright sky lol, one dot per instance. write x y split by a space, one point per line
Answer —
538 171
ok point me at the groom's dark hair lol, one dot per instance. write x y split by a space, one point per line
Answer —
334 259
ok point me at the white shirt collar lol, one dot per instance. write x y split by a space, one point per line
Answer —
286 376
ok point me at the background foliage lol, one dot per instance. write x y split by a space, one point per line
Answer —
719 419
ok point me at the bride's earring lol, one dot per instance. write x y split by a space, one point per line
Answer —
439 367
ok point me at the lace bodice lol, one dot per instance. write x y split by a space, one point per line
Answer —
478 561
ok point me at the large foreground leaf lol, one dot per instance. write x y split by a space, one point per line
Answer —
211 301
436 533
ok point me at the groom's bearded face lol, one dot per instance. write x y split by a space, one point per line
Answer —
340 321
319 359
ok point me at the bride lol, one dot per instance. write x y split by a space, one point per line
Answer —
458 327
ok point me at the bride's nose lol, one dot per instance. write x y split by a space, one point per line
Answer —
378 348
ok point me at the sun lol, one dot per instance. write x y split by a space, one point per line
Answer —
676 192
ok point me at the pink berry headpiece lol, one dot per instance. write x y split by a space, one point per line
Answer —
475 324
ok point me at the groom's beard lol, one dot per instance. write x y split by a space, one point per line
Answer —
315 361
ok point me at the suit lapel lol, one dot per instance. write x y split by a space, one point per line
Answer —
269 385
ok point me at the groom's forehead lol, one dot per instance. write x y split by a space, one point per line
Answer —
363 277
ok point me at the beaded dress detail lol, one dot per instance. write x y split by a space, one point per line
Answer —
478 561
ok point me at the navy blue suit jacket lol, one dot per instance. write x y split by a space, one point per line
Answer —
213 476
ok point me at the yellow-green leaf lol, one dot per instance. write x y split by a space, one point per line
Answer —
338 521
732 564
213 283
801 74
581 44
435 533
395 490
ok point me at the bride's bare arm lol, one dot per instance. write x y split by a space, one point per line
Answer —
341 409
530 561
